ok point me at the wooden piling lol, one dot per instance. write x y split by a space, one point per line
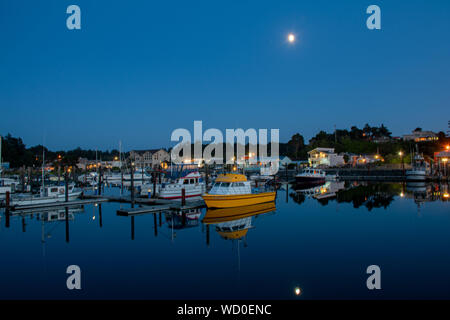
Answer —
66 180
121 180
67 224
183 197
132 186
7 216
7 200
155 224
100 215
99 181
154 184
30 177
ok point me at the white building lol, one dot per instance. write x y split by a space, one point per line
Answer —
325 157
419 136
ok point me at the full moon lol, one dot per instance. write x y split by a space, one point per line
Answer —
291 38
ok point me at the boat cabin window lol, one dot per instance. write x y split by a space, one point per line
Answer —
54 190
225 184
185 181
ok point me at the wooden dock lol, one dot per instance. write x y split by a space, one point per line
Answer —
158 208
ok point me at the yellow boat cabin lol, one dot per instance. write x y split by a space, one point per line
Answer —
233 190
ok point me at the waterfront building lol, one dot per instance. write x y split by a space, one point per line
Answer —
149 158
325 157
421 136
84 163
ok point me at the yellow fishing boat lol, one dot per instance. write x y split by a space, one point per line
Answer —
233 190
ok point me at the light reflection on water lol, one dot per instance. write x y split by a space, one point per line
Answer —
320 239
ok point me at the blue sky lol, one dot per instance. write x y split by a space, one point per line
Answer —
137 70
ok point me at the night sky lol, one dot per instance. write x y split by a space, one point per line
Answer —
137 70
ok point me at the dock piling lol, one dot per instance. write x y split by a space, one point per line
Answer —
183 197
66 181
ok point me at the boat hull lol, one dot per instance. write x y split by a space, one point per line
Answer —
416 175
174 192
42 200
237 200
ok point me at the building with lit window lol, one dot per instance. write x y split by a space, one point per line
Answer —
149 158
325 157
421 136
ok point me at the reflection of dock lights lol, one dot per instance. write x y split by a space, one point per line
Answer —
447 147
444 160
402 194
298 291
446 195
400 153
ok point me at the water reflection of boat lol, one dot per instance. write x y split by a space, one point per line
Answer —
326 190
60 214
182 219
233 223
416 186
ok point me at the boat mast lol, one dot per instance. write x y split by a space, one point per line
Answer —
43 165
120 154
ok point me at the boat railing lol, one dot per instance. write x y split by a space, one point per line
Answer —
263 189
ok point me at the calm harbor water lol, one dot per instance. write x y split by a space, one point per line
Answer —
321 240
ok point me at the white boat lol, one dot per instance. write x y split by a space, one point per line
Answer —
48 194
139 175
420 169
7 185
90 178
147 189
192 183
112 178
4 189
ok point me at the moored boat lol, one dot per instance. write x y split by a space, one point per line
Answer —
233 190
420 168
48 194
310 176
192 183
